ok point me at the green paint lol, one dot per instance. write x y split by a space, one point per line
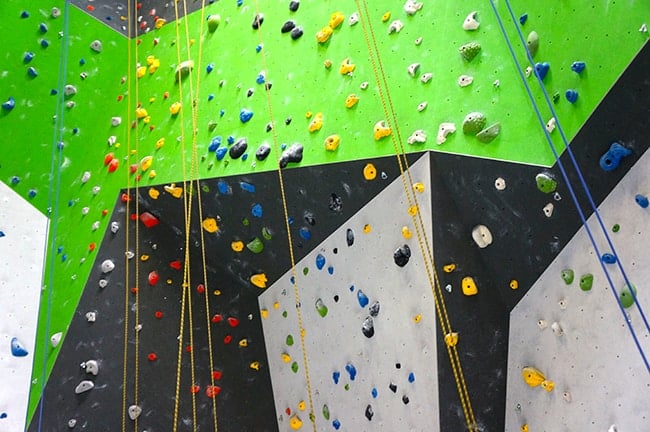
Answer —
255 245
289 340
545 183
626 297
567 276
586 281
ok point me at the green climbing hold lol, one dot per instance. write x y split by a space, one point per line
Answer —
469 50
556 96
347 387
255 245
305 271
326 412
545 183
473 123
289 340
626 297
245 221
586 281
294 367
321 308
284 314
213 22
567 276
489 133
616 228
266 233
532 42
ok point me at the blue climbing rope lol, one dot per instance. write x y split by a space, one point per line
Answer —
566 177
53 198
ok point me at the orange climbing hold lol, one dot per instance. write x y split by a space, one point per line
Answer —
146 162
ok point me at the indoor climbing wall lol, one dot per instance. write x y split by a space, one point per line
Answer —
111 107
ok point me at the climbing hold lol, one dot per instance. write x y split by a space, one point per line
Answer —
321 308
291 155
641 200
107 266
548 385
465 80
402 255
567 276
514 284
470 22
245 115
368 327
578 66
317 123
469 51
373 310
213 22
175 191
406 232
395 27
349 237
469 286
425 78
557 329
55 339
473 123
443 131
362 299
369 412
451 339
175 108
332 142
238 149
550 125
323 35
546 183
627 295
288 26
351 100
489 133
296 33
262 152
532 42
532 376
482 236
259 280
571 95
346 67
134 412
257 21
96 46
9 104
448 268
586 281
17 348
417 137
369 172
351 370
422 106
294 5
256 245
381 130
541 70
84 386
612 158
608 258
418 187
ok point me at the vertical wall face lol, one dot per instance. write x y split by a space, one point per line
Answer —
125 121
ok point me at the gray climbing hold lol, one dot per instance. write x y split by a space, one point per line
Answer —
103 283
134 412
532 42
96 46
72 423
349 237
402 255
373 310
84 386
238 149
489 133
91 367
473 123
469 51
368 327
262 152
369 412
292 154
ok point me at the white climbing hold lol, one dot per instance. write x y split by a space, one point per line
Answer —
134 412
354 18
96 190
496 83
548 210
69 105
115 227
55 339
116 121
419 136
103 283
85 177
528 71
84 386
557 329
363 85
465 80
72 423
112 140
542 324
418 41
69 90
129 254
444 130
91 316
411 7
482 236
448 288
95 226
413 69
422 106
562 303
96 46
395 27
550 125
91 367
500 184
55 12
85 210
643 29
107 266
470 22
613 428
425 78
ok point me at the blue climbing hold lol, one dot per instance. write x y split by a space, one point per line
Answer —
351 288
29 56
2 234
64 257
82 62
210 96
24 14
641 200
304 233
258 48
224 188
608 258
320 261
374 393
260 79
15 180
45 43
221 152
59 249
54 92
9 105
523 19
214 144
330 270
362 299
337 424
612 157
571 95
245 115
31 193
244 156
17 349
411 377
578 66
351 370
257 210
230 139
209 68
42 27
248 187
336 375
541 69
3 415
32 72
221 113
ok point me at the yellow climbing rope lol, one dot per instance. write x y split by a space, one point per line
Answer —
425 248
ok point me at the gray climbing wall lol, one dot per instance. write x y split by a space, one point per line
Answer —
395 370
600 377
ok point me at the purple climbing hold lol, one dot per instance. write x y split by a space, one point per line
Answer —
320 262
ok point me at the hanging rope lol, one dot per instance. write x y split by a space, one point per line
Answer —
565 176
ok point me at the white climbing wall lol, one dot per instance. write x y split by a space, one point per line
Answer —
595 361
401 346
21 268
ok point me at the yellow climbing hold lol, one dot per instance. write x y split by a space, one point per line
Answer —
210 225
469 286
367 228
327 63
317 123
255 365
176 191
146 162
323 35
514 284
150 59
175 108
243 343
152 174
160 143
295 422
144 257
264 313
336 19
259 280
332 142
417 318
141 113
237 246
406 232
385 17
147 119
276 305
351 100
381 130
285 357
159 23
448 268
413 210
141 71
154 193
308 114
532 376
369 172
524 427
216 292
548 385
302 405
346 67
451 339
418 187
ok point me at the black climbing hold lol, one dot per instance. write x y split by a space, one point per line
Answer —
398 365
392 387
405 399
262 152
238 149
369 412
257 21
310 219
335 250
292 154
349 236
336 203
374 309
336 299
294 5
250 92
402 255
368 327
288 26
268 86
296 33
269 126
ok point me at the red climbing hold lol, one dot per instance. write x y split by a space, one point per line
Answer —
158 314
92 246
211 391
188 348
233 322
227 339
148 219
153 278
200 289
288 411
134 217
165 95
176 265
195 389
125 198
108 158
104 212
119 98
216 375
217 318
134 290
152 357
112 165
133 168
90 8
